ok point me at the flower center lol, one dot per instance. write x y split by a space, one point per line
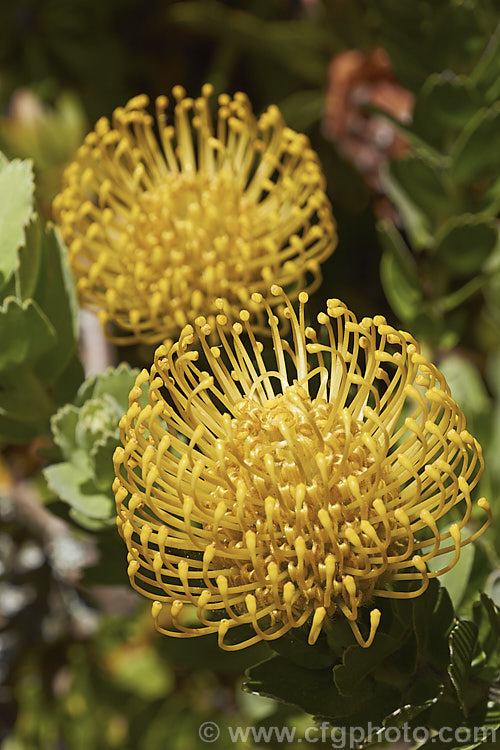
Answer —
193 231
305 487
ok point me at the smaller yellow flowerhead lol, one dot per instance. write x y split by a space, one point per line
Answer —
279 488
163 218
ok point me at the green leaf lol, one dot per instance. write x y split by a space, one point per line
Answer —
66 386
75 487
403 297
485 198
91 524
398 273
492 716
415 186
481 731
443 107
30 258
25 333
414 219
299 46
451 302
312 690
439 627
422 37
462 643
16 431
486 74
423 608
16 208
25 407
464 243
294 647
476 153
358 663
55 294
425 690
339 635
486 617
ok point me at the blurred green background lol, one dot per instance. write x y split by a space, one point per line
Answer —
401 102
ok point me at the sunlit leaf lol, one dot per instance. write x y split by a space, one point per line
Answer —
30 259
115 381
16 208
76 488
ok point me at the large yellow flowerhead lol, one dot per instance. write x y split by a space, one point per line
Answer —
161 219
285 492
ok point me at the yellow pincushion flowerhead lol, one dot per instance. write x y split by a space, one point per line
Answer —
276 494
161 219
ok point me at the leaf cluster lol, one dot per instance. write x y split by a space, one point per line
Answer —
39 365
442 263
86 432
426 668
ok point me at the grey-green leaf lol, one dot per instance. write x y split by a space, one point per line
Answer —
76 488
63 425
115 381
